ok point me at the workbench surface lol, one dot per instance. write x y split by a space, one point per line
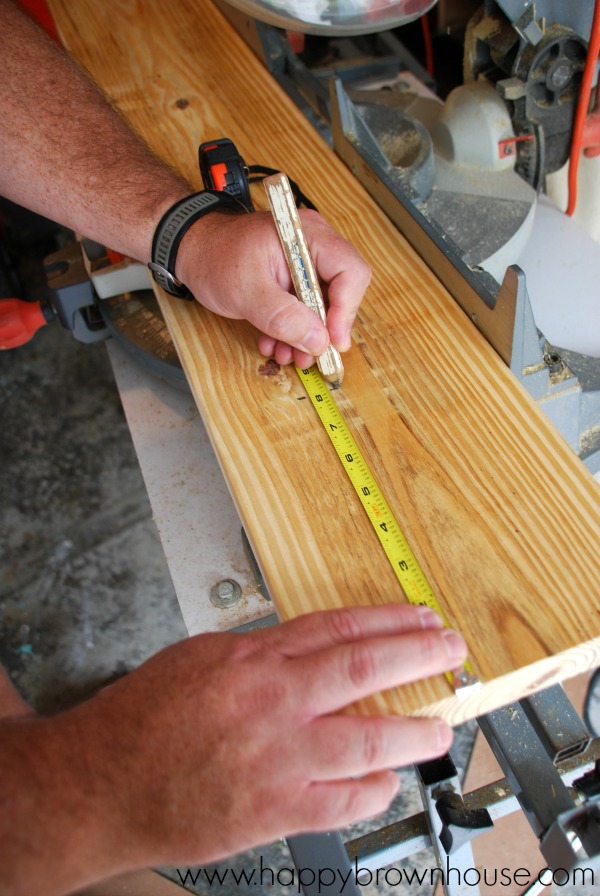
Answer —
503 517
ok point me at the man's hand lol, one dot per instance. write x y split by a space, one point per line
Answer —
235 266
248 743
217 744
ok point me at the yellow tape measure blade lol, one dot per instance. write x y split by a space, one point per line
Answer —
402 560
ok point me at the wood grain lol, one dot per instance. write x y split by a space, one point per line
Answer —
502 516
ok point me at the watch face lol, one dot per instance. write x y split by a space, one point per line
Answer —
335 17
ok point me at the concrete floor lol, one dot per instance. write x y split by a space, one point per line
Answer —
85 593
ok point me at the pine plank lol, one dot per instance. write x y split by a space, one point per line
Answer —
503 517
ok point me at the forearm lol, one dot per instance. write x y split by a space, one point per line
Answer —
67 154
64 805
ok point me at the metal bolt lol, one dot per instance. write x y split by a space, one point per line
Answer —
225 593
553 361
559 75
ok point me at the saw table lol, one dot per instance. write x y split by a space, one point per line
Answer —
502 515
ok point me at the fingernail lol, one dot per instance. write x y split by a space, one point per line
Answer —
345 342
315 342
429 618
455 645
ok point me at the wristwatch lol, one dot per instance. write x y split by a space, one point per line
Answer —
171 229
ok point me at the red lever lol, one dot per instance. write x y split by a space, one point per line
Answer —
19 321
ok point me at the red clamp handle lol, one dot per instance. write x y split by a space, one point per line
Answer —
19 321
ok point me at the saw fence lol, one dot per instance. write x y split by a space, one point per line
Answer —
503 517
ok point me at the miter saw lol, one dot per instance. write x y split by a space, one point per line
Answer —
462 178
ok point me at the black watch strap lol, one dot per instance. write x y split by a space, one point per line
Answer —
171 228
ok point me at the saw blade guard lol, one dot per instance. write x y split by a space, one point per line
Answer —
335 17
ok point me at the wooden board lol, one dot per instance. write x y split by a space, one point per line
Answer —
503 517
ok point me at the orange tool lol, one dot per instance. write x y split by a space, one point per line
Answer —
20 320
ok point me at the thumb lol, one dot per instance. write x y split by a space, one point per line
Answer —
284 318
